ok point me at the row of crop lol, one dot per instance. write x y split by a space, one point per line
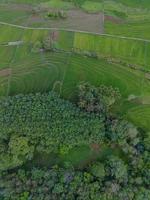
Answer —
130 50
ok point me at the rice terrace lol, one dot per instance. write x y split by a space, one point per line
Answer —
74 99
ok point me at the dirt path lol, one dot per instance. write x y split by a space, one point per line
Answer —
73 30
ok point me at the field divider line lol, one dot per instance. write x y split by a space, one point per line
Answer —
74 30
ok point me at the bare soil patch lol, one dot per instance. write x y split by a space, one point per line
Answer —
76 19
5 72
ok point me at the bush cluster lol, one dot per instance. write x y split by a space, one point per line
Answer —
60 14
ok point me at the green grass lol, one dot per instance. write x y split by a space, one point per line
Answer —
92 7
23 1
36 72
8 34
134 29
6 55
65 40
13 16
140 116
3 85
78 157
28 68
135 21
135 3
58 4
131 51
31 36
100 72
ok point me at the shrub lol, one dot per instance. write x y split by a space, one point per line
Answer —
97 99
57 14
97 170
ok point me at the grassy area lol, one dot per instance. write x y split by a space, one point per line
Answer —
135 3
65 40
6 55
100 72
131 51
78 157
58 4
30 68
135 20
23 1
4 85
133 29
140 116
9 34
92 7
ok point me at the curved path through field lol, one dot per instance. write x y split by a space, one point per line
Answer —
71 30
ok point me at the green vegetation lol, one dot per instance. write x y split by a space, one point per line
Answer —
133 29
57 15
71 61
136 24
92 7
44 124
97 146
58 4
127 21
55 126
97 100
128 50
135 3
59 183
136 114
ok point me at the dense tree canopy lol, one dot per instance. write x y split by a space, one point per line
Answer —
44 123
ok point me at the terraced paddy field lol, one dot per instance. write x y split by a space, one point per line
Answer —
72 69
100 72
